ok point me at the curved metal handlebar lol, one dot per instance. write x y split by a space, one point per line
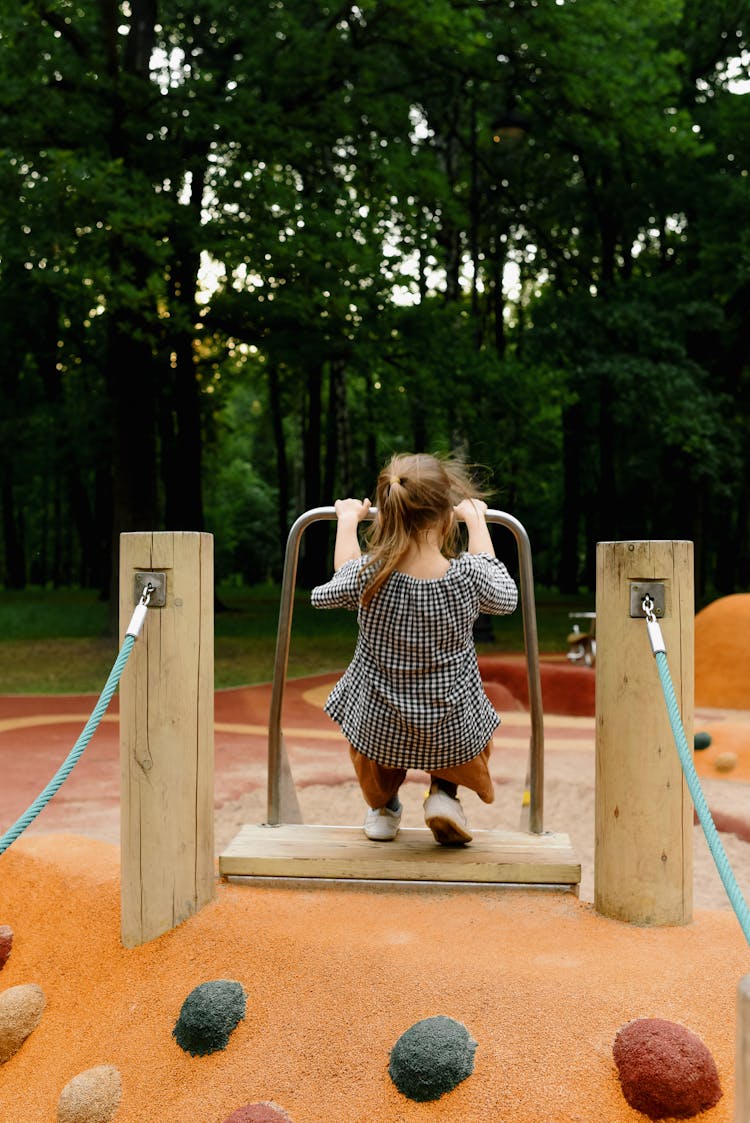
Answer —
276 753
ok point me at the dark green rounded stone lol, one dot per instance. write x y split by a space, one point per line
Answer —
208 1016
431 1058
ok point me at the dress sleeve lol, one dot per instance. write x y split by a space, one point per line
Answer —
342 591
495 587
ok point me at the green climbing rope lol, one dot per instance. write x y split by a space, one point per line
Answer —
75 753
41 801
691 776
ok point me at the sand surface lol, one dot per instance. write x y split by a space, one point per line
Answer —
569 795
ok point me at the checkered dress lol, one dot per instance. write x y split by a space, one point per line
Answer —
412 696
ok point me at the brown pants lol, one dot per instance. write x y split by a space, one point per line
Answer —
379 783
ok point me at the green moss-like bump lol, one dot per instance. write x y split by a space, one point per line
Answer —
208 1016
431 1058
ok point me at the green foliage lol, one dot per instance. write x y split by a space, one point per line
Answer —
239 498
243 505
267 245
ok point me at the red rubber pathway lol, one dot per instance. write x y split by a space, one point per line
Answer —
37 733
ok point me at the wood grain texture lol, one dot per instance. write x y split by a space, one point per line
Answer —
643 870
295 850
742 1080
166 738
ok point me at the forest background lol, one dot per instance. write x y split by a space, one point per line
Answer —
249 250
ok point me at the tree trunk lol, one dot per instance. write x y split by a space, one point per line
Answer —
338 461
103 561
724 546
498 297
419 429
371 440
313 568
607 513
742 573
572 423
15 561
83 521
182 443
184 448
129 362
132 396
282 467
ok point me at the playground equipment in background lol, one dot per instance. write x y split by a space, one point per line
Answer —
582 645
284 847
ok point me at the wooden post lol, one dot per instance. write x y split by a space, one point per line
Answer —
742 1077
167 737
643 861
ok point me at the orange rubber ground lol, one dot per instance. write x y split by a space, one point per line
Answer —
335 974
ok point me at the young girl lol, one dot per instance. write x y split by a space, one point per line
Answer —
412 696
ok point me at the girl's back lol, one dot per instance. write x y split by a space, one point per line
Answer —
412 696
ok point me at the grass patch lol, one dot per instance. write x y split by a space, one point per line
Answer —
56 641
60 665
35 614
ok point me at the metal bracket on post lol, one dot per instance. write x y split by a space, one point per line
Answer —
641 589
158 582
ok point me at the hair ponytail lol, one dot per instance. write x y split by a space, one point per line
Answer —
414 493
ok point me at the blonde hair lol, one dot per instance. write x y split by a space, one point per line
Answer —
415 493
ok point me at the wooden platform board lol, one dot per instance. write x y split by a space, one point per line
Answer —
299 850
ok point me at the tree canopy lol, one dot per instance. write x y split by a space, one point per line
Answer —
247 251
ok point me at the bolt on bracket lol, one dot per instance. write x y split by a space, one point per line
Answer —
158 581
641 589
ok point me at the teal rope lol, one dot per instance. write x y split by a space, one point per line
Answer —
712 836
75 753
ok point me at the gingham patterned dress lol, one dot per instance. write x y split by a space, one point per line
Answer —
412 696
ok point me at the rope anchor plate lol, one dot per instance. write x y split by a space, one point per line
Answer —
157 581
653 589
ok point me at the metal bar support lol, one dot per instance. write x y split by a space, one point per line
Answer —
282 799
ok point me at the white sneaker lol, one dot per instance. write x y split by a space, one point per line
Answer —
381 824
445 818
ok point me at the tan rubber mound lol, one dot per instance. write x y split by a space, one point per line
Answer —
722 653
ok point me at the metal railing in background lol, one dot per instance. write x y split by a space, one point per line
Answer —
282 797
